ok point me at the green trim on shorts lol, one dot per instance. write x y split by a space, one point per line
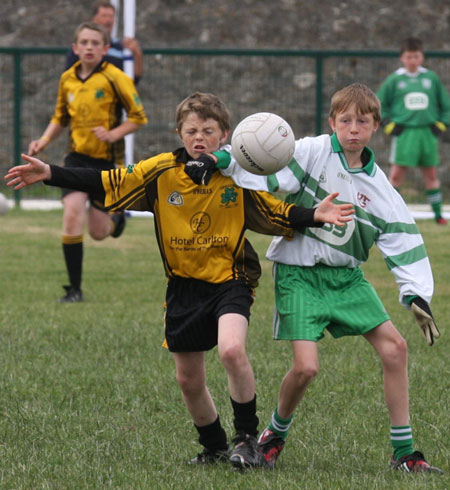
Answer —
312 299
415 147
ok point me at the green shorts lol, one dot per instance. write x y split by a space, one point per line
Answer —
312 299
415 147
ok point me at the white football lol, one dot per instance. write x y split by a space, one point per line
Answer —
263 143
3 204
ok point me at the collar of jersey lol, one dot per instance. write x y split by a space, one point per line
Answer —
367 155
98 68
182 155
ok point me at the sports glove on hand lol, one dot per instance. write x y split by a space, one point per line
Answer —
424 318
391 128
438 128
201 170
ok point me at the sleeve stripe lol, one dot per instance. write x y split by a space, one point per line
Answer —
406 258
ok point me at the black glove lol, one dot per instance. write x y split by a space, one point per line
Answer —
201 170
391 128
438 128
424 318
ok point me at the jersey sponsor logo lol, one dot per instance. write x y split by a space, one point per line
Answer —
200 222
198 243
229 196
202 191
334 235
362 199
416 101
176 199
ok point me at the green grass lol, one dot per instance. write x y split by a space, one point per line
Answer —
88 398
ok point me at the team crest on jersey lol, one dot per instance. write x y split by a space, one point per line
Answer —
426 83
362 199
176 199
99 94
323 176
229 196
401 84
71 97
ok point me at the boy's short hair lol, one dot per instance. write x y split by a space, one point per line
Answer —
207 106
359 95
93 27
101 4
411 44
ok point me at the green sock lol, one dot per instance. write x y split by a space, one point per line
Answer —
279 425
434 197
402 441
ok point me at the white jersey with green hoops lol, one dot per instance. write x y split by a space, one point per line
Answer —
319 168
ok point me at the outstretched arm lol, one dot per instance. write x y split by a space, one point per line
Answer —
77 178
35 171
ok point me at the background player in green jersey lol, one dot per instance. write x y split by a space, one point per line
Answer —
90 99
415 112
318 282
211 267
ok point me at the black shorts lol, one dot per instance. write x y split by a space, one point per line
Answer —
193 309
85 161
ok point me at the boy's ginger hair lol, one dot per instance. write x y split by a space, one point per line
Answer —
359 95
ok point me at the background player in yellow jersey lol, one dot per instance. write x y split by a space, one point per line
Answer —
90 99
211 268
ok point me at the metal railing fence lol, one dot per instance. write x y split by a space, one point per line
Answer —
297 84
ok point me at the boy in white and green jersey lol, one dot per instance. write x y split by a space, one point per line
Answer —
415 112
318 282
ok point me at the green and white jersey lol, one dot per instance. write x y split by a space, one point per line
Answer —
414 99
319 168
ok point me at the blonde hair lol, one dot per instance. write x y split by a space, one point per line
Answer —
206 106
359 95
93 27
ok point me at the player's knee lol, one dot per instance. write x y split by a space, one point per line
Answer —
97 234
190 385
396 351
305 373
233 356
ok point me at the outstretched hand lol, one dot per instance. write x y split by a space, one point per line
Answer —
23 175
336 214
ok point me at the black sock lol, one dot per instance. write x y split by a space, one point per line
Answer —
212 436
245 418
73 255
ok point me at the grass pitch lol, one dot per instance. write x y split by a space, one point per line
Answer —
88 398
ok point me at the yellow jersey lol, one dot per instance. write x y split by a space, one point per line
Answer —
96 101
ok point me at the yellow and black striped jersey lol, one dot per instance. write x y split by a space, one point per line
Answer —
96 101
200 229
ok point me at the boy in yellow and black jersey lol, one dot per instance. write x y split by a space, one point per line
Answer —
211 267
91 97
